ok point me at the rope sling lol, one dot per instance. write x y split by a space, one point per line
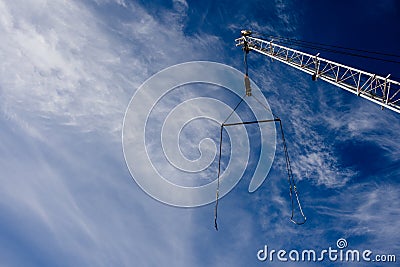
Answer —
291 181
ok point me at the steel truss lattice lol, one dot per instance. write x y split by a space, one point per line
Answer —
380 90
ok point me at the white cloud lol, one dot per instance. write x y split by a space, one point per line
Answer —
57 62
366 122
364 210
66 78
60 59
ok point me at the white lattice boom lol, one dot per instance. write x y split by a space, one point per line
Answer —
380 90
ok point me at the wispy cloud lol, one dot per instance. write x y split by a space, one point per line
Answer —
58 62
66 79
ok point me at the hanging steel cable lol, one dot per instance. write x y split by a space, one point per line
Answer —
323 49
334 48
320 45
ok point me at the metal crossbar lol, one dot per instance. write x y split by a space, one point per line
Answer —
292 184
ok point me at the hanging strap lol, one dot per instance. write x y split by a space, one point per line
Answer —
219 171
292 184
219 164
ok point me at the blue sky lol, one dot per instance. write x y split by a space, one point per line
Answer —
68 71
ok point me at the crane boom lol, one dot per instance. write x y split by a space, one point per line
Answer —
380 90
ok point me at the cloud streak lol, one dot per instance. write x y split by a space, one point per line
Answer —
65 82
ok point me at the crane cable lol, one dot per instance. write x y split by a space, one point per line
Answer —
319 45
245 62
332 48
291 181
